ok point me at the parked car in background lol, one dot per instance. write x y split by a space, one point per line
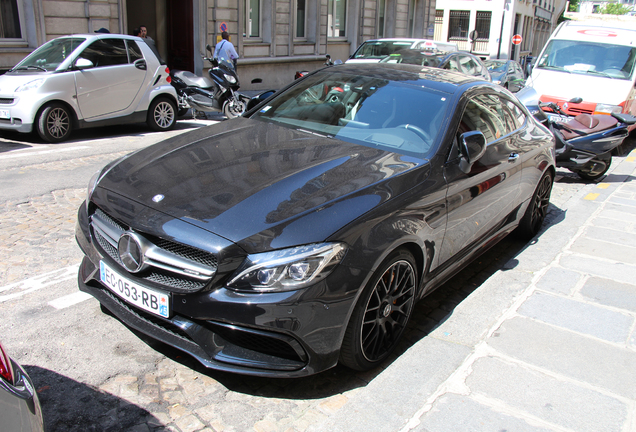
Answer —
302 234
506 73
87 80
374 50
19 405
459 61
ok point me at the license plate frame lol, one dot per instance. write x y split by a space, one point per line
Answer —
148 299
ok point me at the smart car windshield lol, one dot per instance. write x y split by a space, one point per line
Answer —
50 55
613 61
396 116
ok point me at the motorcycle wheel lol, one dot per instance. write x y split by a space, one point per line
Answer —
595 168
233 108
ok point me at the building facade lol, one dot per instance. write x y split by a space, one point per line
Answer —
489 28
274 38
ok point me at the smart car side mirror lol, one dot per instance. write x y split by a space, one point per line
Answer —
82 63
472 146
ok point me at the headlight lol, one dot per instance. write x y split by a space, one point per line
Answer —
31 85
287 269
607 109
230 78
496 82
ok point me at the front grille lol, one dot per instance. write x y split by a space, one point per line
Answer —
6 101
576 111
170 265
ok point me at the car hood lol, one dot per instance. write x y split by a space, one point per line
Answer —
593 89
263 186
10 82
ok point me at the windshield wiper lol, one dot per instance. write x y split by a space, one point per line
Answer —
595 72
28 67
557 68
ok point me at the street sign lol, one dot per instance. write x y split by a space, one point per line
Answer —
223 26
516 39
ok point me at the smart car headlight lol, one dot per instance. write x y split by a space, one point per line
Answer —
287 269
230 78
31 85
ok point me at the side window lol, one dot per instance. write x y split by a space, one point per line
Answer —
453 65
468 66
517 114
106 52
484 113
134 52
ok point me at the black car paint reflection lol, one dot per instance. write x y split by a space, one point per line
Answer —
343 185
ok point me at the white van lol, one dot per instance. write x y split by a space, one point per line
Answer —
374 50
592 60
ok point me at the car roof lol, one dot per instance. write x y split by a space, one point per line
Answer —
95 36
434 78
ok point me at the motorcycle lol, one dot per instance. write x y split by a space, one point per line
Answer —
584 143
217 93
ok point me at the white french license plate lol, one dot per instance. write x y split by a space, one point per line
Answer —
5 114
145 298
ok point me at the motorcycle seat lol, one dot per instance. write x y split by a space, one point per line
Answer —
585 124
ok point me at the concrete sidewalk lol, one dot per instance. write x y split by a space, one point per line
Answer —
547 344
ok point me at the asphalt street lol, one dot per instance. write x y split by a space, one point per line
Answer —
535 336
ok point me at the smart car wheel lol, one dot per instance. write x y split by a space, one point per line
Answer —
162 115
54 123
537 209
381 314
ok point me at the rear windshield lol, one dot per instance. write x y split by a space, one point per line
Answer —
379 49
606 60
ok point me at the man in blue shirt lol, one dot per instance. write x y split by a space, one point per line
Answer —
224 50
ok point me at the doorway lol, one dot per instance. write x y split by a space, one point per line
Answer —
170 24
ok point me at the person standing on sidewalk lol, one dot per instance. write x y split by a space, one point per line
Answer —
224 50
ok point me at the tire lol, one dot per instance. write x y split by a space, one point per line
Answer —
537 208
54 123
162 115
233 108
381 313
599 171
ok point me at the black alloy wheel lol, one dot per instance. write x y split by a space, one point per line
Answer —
233 108
381 313
537 208
54 124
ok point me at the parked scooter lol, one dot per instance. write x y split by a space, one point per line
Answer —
217 93
584 143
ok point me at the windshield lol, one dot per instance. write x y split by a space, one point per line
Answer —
612 61
50 55
380 49
396 116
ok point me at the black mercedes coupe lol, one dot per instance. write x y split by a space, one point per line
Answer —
301 234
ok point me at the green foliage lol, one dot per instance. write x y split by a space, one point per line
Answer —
614 9
574 6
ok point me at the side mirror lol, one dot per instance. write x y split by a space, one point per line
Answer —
140 64
472 146
259 98
208 47
82 63
576 100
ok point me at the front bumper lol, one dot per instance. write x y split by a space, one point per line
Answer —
289 334
21 114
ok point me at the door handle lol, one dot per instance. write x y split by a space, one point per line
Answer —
513 157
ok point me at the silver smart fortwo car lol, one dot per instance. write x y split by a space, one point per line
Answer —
87 80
